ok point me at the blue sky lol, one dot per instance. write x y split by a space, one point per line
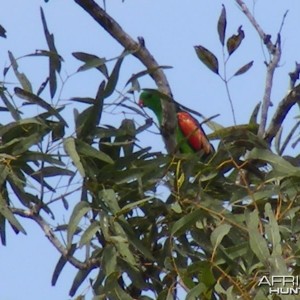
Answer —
170 29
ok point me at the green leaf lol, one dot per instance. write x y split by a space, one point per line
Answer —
78 212
63 260
54 60
253 117
23 144
113 289
278 265
219 233
58 132
185 222
24 81
204 271
134 77
35 156
39 101
3 230
54 171
119 239
135 241
125 209
128 126
244 68
235 41
109 259
86 150
26 168
89 233
257 243
272 231
91 61
2 31
109 197
88 120
45 53
260 295
222 22
13 111
196 291
78 280
208 58
281 166
7 214
70 148
114 76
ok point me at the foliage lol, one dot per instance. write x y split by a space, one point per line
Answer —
223 223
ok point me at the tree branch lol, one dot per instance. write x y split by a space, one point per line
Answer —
264 37
30 214
282 110
268 89
139 50
275 55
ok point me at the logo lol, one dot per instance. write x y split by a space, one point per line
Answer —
281 284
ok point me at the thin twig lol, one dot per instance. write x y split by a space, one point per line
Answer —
138 49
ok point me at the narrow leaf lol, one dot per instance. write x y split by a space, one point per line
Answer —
272 231
13 111
208 58
134 77
24 81
183 223
54 171
39 101
3 230
70 148
222 22
42 86
218 234
109 259
109 197
235 40
125 209
2 32
7 214
54 61
79 211
89 233
91 61
282 166
114 76
87 121
79 278
113 289
257 243
87 150
244 69
253 117
46 53
277 142
60 264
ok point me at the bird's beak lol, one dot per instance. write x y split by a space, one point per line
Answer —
141 103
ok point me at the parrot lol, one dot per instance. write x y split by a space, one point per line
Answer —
190 136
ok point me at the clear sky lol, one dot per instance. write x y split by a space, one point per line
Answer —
170 28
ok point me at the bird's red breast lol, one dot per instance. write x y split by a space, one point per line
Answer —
193 132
